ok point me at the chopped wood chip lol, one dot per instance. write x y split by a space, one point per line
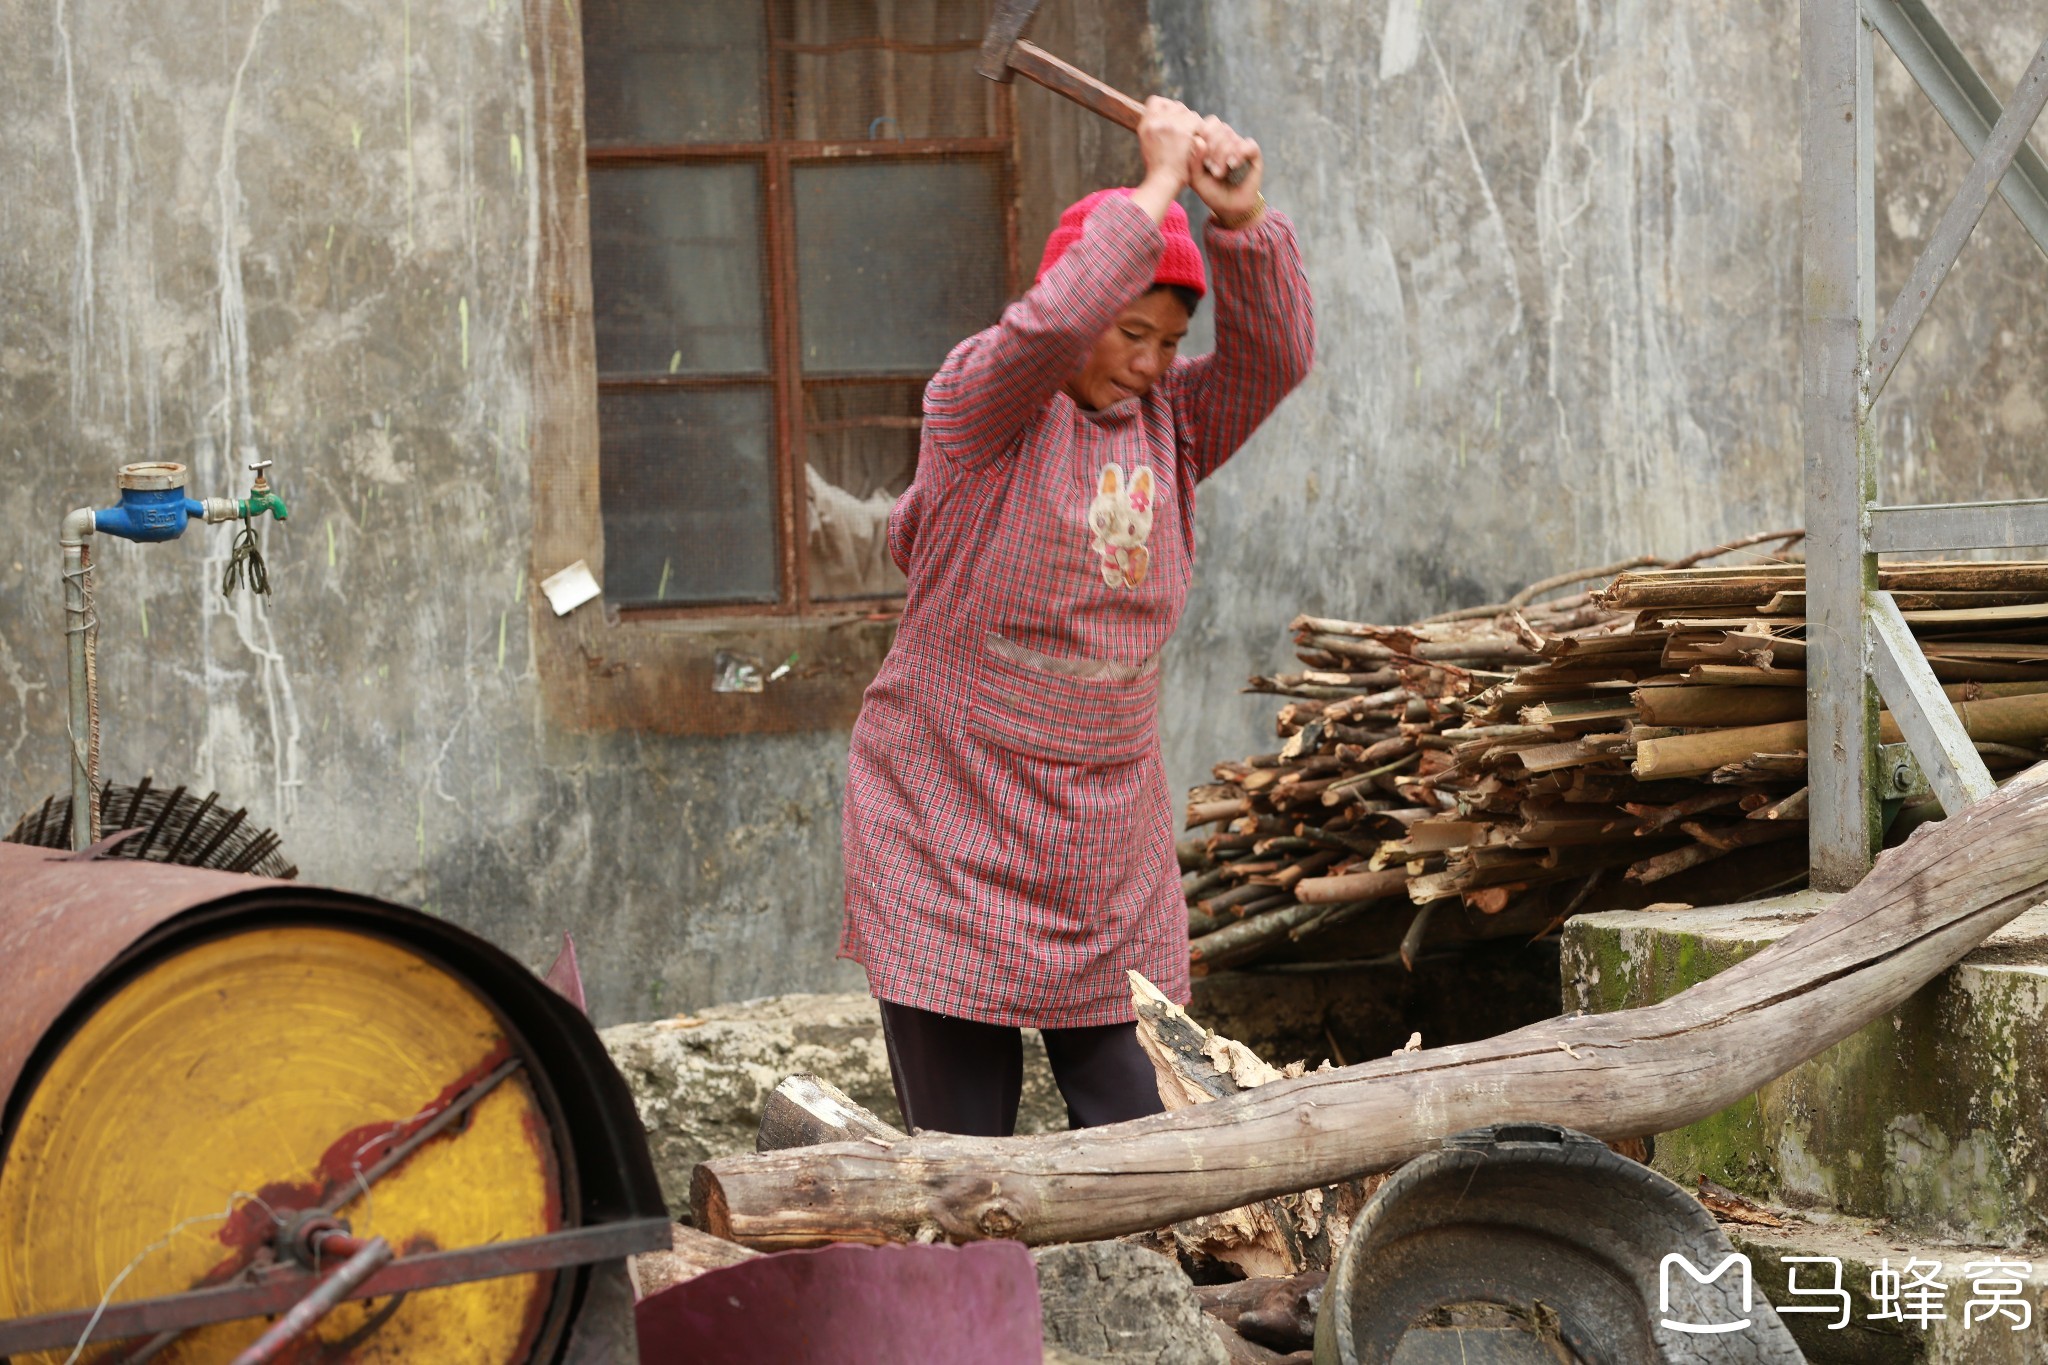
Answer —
1730 1207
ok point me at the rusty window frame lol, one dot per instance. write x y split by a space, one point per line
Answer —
778 157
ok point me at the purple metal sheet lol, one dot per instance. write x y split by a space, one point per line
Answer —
566 977
853 1305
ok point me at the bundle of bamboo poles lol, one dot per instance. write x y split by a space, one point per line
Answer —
1528 760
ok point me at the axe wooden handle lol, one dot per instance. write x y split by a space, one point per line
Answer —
1030 60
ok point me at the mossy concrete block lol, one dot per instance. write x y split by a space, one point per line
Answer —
1931 1117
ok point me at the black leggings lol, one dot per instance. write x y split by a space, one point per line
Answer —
957 1076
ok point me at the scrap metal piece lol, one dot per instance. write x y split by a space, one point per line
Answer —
178 827
374 1255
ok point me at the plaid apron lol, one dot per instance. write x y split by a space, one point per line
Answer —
1008 830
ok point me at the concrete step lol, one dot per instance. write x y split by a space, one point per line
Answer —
1990 1300
1933 1119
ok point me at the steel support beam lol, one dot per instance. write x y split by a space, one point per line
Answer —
1838 288
1953 232
1963 99
1959 526
1930 725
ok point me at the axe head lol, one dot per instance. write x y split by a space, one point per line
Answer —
1007 22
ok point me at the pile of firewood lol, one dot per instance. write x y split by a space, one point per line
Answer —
1528 760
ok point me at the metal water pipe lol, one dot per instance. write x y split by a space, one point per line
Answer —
153 507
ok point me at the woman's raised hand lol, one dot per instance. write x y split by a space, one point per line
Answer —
1218 147
1167 138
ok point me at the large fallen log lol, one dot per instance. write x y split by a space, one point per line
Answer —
1619 1075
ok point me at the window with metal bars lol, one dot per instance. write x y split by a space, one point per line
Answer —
797 207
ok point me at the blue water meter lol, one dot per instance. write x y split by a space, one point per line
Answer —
153 504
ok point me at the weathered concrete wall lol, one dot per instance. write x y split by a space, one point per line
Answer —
1554 245
309 230
1925 1119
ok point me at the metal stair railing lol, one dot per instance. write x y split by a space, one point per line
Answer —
1858 645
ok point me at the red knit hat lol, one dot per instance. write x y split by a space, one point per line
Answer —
1182 263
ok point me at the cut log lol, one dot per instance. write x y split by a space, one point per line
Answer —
1728 838
1793 807
1193 1065
1233 942
1244 900
1352 886
1704 706
1655 818
1648 1070
2002 720
1988 576
691 1253
1763 769
804 1111
1209 812
1701 706
1292 1233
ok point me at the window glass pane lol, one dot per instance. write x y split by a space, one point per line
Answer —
857 69
687 482
861 450
666 71
675 263
864 96
867 21
896 262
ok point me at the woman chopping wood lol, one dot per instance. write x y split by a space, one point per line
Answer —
1008 830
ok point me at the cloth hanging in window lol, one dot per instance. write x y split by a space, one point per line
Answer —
849 540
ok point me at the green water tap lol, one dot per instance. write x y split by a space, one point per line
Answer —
262 497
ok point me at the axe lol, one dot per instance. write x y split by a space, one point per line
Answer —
1005 55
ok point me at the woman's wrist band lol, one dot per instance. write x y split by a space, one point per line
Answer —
1258 211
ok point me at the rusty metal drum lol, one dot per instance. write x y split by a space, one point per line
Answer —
218 1087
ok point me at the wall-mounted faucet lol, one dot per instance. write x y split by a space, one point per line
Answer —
153 507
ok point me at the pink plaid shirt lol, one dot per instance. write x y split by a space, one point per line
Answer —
1008 829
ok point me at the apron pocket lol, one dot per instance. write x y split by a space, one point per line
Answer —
1087 711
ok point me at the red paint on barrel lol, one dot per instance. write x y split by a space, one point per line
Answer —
252 1225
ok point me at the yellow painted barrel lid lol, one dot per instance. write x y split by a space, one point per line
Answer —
253 1074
